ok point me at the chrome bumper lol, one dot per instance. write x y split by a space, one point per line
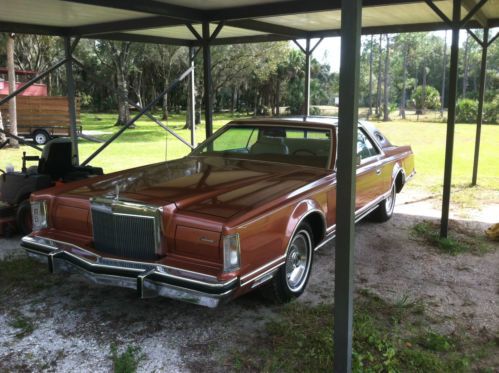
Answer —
148 279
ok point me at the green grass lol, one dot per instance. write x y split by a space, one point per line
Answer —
386 338
428 143
24 326
25 276
145 144
458 241
148 143
127 361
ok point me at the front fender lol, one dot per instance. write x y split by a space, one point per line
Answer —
302 210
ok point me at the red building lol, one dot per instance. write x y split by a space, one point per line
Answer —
34 90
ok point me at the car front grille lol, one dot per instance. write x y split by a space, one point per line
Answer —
127 235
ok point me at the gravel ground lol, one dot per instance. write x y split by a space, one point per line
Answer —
74 323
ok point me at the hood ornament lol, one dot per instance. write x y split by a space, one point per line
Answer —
116 192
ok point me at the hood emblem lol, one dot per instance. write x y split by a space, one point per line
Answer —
116 192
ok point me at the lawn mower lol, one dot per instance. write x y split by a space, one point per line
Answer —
54 166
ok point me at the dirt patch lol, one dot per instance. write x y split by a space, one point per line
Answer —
73 324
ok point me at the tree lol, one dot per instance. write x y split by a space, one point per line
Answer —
378 95
12 87
444 71
2 128
466 64
121 57
370 111
386 78
431 98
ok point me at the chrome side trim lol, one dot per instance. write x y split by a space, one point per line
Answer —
411 175
259 277
326 240
281 258
262 280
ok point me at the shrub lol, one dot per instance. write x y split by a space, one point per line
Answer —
491 111
432 98
466 110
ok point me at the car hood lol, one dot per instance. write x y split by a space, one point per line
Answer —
214 186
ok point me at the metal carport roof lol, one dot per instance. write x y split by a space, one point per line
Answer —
164 21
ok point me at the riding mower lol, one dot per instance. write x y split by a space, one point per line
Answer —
54 166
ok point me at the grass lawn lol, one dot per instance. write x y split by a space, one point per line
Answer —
387 338
148 143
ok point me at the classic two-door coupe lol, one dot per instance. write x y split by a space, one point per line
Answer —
247 208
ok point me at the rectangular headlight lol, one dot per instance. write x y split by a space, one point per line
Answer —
39 215
232 253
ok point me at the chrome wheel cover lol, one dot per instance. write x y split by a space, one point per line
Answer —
298 261
390 201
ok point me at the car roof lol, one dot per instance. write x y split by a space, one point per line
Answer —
296 120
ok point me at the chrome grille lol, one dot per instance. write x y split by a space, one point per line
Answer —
132 235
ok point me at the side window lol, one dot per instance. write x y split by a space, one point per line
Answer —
365 147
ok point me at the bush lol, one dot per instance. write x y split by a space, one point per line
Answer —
466 111
491 111
432 98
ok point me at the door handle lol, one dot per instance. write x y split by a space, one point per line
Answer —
378 171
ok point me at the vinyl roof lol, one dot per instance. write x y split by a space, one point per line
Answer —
164 21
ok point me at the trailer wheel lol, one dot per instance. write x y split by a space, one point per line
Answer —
23 217
41 137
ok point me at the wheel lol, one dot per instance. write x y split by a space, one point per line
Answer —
385 209
292 278
23 217
41 137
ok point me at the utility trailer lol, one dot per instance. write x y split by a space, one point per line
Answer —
41 117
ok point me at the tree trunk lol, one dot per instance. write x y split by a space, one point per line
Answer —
404 83
255 106
2 135
444 69
11 72
164 107
423 93
370 111
278 97
386 90
380 67
123 109
233 100
466 65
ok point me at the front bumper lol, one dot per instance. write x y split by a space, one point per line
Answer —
148 279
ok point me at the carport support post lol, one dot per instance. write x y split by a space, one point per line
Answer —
345 187
71 99
483 71
192 97
208 91
451 117
307 78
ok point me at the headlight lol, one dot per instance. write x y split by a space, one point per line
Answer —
39 215
232 253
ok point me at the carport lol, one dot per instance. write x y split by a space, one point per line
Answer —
199 25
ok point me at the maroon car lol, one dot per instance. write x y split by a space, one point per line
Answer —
246 209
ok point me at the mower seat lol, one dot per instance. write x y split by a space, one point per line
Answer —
56 161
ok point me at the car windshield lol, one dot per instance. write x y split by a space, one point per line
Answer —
295 145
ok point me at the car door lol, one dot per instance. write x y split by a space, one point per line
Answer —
369 171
